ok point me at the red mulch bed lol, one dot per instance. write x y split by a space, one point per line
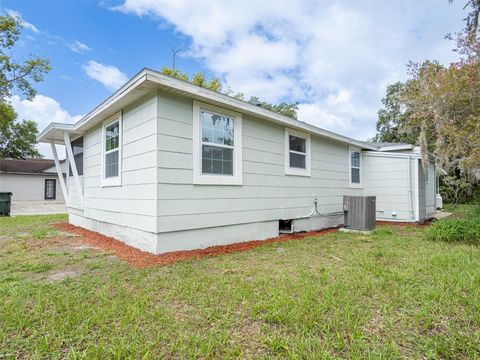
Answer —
141 259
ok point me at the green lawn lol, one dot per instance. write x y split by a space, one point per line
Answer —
390 295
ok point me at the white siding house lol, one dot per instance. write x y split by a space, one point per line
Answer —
170 166
34 185
398 180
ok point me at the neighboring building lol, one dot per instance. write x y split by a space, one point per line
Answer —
165 165
34 185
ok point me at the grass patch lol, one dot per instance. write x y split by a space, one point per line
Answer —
388 295
37 226
463 227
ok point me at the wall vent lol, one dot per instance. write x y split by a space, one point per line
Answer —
360 212
285 226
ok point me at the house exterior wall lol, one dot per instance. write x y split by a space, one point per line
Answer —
28 187
158 207
387 178
267 194
133 204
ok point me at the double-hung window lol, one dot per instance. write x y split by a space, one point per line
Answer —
355 167
297 153
217 146
111 154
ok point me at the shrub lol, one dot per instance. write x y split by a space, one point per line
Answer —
455 190
465 231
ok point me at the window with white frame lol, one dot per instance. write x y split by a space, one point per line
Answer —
217 146
217 143
111 168
355 167
297 153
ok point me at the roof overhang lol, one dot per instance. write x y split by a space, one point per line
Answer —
392 154
399 147
148 80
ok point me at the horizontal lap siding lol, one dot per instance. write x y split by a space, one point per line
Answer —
387 179
134 203
266 194
73 198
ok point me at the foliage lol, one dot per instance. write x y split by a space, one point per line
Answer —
284 108
463 228
17 75
455 189
393 117
441 105
17 138
438 107
472 19
466 231
214 84
445 104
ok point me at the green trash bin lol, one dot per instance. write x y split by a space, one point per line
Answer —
5 203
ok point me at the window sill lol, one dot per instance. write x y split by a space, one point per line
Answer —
111 182
299 172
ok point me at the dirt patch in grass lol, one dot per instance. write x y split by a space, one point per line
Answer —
141 259
61 275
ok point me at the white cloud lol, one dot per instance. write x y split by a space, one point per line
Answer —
79 47
110 76
43 110
334 57
24 23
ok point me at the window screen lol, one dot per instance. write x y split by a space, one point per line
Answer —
112 143
355 167
217 144
297 152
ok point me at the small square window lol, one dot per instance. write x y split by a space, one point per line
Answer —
297 153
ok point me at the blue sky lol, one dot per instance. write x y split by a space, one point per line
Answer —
334 57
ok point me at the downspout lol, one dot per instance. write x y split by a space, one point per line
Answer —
410 205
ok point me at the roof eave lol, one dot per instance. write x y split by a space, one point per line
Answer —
148 76
396 148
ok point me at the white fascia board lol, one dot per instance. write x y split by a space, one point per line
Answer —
396 148
391 154
197 93
43 136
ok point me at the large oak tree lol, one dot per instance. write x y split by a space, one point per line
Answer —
17 138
